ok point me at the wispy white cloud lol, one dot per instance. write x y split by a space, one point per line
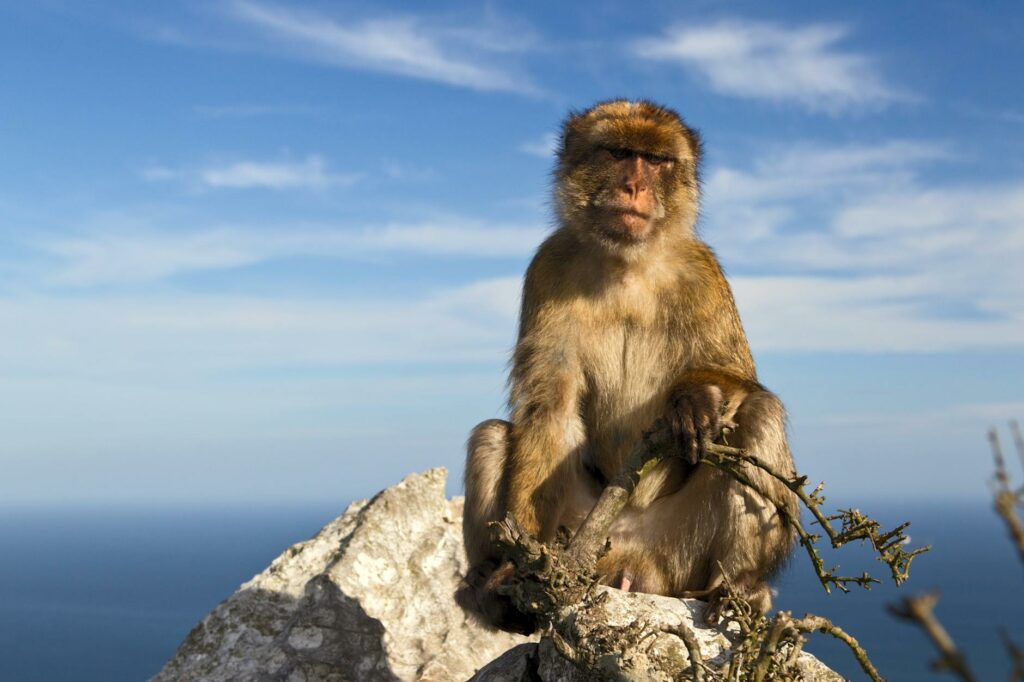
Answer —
760 60
111 335
126 255
842 247
800 171
544 147
160 173
233 383
402 45
122 257
468 239
311 173
398 170
847 248
901 313
932 419
1012 116
948 437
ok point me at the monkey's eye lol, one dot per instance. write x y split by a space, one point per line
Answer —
618 153
657 160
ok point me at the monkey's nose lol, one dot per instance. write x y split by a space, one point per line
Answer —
634 189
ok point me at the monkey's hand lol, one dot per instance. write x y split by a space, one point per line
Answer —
694 413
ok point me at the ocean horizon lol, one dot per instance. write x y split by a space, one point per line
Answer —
96 594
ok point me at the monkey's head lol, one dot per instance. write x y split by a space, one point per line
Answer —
627 171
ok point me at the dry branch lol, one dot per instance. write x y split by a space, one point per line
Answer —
854 525
919 610
551 578
1007 500
812 623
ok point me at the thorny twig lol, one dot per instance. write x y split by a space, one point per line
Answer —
1007 500
888 545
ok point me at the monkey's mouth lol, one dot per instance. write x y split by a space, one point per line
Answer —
631 212
633 224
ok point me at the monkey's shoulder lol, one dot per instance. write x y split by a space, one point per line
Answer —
551 273
695 259
558 249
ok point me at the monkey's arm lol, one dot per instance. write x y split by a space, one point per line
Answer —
546 384
702 402
719 372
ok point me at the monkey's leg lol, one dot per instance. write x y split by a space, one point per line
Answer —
486 481
751 539
688 542
486 456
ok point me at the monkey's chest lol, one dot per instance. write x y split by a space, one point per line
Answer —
629 371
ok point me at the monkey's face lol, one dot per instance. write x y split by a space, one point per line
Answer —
629 196
627 170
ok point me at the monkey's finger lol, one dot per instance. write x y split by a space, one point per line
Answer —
686 423
708 425
675 423
700 442
716 398
713 427
691 449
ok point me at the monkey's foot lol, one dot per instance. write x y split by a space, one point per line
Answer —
481 594
728 597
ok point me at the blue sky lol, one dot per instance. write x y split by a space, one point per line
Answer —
256 251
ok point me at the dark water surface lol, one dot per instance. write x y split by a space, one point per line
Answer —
107 595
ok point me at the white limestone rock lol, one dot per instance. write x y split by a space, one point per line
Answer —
370 597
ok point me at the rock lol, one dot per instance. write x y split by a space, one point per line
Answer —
542 661
370 597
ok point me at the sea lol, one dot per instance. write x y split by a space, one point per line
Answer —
101 595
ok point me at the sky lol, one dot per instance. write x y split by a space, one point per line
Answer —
256 252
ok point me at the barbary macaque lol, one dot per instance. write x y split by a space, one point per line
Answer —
626 317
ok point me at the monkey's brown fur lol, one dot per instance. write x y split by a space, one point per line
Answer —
627 317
